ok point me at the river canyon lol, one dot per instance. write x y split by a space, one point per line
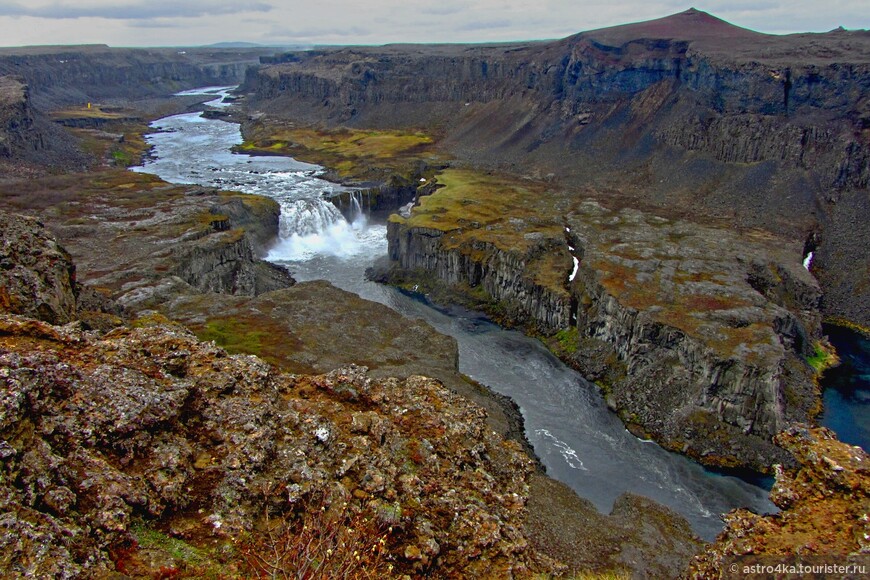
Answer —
571 429
640 252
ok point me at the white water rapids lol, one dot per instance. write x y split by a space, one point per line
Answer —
577 438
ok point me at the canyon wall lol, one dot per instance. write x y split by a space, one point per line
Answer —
698 337
687 113
17 131
226 264
502 275
27 135
60 76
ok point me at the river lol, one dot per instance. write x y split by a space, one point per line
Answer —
579 441
846 395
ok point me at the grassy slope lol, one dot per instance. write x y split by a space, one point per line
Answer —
352 153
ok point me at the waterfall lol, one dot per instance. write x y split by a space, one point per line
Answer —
355 205
307 216
358 219
312 226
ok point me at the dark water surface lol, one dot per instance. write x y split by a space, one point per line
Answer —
847 387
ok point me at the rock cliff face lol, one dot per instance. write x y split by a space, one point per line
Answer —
225 259
27 136
383 199
795 100
686 111
145 242
226 264
38 275
697 336
17 132
502 274
74 75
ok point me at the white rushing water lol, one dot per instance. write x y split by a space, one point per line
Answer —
192 149
577 438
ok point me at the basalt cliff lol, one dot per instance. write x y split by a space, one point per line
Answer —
97 89
65 75
643 195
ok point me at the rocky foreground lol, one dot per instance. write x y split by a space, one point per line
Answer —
119 444
149 428
138 449
824 517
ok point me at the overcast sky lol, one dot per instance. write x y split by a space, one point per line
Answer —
195 22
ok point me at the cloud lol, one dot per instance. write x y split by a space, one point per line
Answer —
158 24
442 9
175 22
136 11
485 25
337 32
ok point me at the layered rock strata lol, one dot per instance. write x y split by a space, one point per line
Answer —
17 132
501 274
697 336
29 138
64 75
381 200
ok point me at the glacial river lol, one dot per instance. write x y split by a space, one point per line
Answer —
576 437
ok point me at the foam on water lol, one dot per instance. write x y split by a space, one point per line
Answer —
565 450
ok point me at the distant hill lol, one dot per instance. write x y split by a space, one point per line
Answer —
233 45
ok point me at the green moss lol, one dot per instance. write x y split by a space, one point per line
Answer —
121 158
485 207
234 336
86 113
352 153
823 357
150 538
568 339
150 319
